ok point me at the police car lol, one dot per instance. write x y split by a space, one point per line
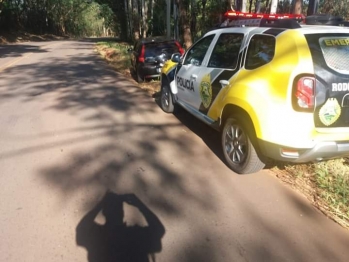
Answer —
274 88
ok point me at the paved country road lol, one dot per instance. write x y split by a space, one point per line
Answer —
72 129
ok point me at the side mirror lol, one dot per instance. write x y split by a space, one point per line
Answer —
176 57
195 62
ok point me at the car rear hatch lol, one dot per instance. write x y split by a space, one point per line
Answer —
330 53
159 52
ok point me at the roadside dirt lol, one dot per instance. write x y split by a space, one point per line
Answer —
112 58
304 181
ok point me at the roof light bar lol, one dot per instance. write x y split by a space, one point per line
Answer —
238 15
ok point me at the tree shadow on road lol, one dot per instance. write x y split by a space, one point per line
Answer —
115 241
18 50
134 151
79 82
210 136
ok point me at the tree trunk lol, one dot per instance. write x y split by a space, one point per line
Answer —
151 4
2 2
145 17
297 9
231 5
127 12
244 6
274 6
193 17
313 7
135 20
184 23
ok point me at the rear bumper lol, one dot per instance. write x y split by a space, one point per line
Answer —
320 151
150 71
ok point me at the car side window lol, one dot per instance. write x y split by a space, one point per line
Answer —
260 51
226 51
196 54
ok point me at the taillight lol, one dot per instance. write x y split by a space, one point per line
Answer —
141 56
180 49
304 92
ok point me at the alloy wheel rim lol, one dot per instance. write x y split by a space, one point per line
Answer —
165 97
235 144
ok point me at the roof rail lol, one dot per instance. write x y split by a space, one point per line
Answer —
324 19
280 23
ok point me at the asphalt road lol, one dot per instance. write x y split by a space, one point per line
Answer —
71 129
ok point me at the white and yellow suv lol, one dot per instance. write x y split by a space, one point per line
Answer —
278 91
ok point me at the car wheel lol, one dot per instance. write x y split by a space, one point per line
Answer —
166 100
239 152
139 77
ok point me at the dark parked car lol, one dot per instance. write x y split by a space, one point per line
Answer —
149 54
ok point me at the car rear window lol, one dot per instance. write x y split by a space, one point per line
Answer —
335 50
260 51
156 49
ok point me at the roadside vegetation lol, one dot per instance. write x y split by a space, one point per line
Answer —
116 54
325 184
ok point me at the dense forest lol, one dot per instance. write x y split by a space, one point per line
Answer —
131 19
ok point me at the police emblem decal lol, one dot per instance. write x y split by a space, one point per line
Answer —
330 112
206 91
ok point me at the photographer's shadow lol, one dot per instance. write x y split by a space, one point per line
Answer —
114 240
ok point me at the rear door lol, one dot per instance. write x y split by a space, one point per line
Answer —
223 64
330 53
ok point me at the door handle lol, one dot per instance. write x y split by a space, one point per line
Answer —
224 83
193 76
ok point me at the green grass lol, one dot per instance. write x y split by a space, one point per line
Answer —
117 45
332 178
326 184
116 54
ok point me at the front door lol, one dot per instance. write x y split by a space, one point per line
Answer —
190 72
199 80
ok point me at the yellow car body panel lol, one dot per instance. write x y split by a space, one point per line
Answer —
168 66
289 124
266 91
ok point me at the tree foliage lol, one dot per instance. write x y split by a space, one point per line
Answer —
132 19
335 7
75 17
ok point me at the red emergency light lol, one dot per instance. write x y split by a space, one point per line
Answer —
235 15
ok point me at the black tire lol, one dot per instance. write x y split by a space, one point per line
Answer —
239 152
166 99
139 77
